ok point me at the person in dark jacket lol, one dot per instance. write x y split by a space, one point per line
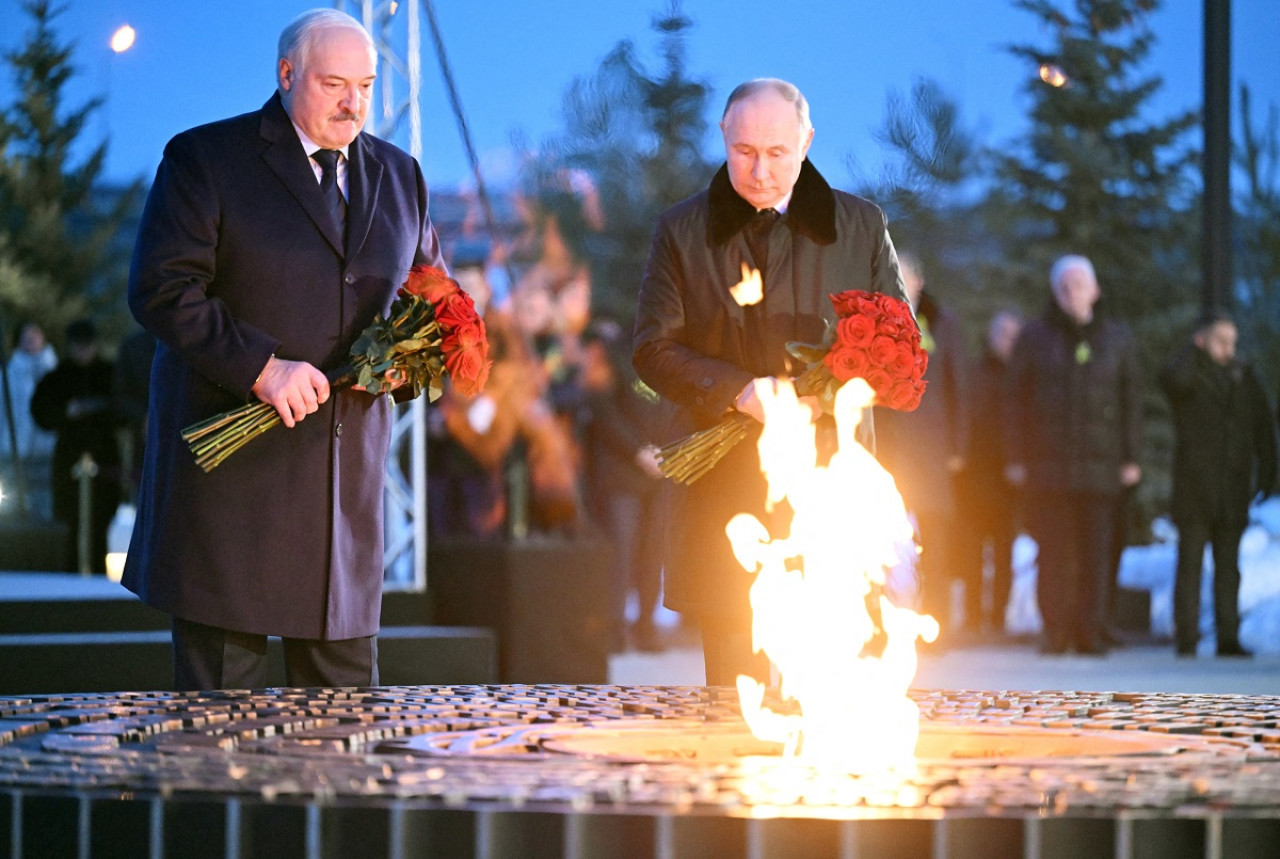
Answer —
985 500
622 482
769 209
74 400
269 241
924 450
1224 456
1073 429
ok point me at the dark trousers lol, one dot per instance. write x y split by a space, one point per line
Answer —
1073 531
1225 540
632 522
207 657
937 565
985 521
726 651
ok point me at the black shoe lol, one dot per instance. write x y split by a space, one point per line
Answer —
1185 653
1092 647
1053 646
1235 652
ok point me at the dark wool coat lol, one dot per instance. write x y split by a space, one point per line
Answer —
1225 446
982 481
1074 405
234 263
915 446
691 346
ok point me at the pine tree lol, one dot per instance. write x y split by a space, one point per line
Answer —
1093 176
638 136
55 225
1258 225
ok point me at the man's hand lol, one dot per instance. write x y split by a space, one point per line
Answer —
294 388
1130 474
749 403
646 460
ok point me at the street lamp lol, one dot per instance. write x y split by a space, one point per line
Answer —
122 38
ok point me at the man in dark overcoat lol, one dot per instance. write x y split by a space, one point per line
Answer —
1224 455
268 242
701 351
1073 427
924 449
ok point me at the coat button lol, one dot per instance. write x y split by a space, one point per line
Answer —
349 279
337 430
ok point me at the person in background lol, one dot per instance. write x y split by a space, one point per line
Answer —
924 450
985 502
1072 432
74 401
1224 456
767 208
32 358
267 244
622 482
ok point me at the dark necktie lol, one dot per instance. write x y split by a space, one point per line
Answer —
753 316
758 229
328 161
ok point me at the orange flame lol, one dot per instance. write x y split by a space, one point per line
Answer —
813 623
750 289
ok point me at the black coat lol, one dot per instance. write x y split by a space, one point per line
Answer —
1225 446
691 346
236 260
982 481
915 446
89 427
1074 405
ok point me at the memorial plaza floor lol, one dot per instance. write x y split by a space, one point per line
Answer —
1018 665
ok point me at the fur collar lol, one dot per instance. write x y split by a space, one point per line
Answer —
812 211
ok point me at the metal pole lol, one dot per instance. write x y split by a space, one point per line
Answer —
84 471
1217 213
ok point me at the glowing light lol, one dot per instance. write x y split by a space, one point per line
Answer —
1053 75
122 39
750 289
847 667
115 566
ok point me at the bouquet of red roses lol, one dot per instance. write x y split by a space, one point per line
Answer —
432 330
875 338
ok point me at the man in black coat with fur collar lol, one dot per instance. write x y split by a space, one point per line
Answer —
767 208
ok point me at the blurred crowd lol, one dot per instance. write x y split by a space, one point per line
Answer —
1038 433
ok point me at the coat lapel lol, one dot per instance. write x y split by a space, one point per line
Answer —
364 178
286 158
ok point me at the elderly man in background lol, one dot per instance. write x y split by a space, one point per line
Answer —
1224 455
268 242
767 208
1073 428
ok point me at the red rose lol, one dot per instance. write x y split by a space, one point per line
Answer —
855 331
903 364
847 363
430 283
879 380
904 395
846 303
455 310
467 335
883 350
468 369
